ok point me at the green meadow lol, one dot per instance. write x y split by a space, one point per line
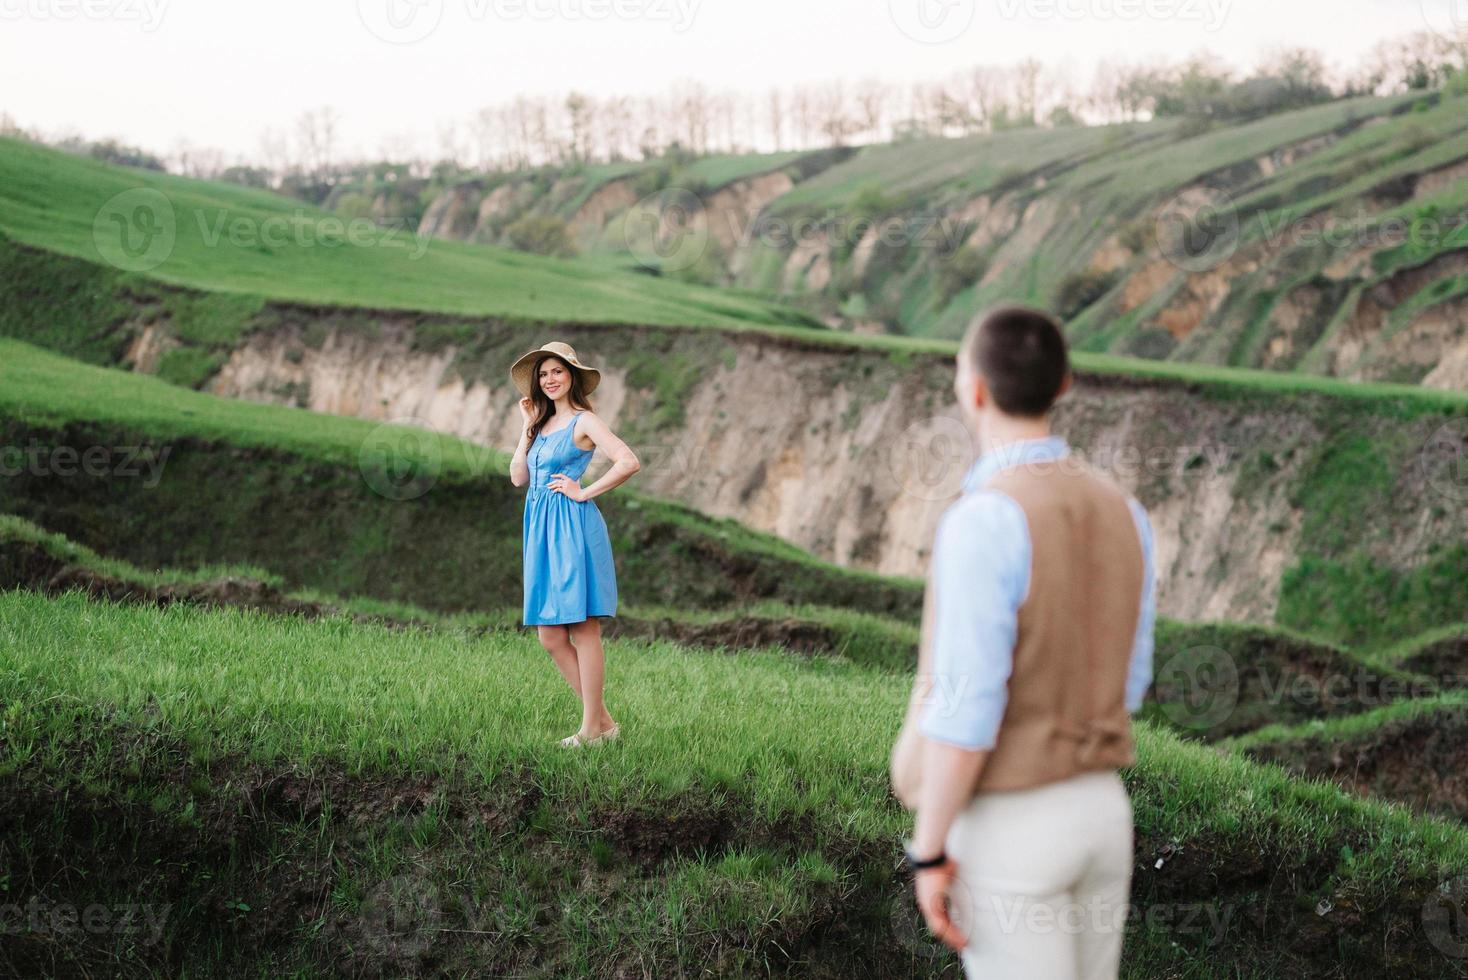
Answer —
378 762
245 241
731 824
273 688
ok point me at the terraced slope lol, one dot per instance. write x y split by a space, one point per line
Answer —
1212 681
1340 499
184 479
1414 752
1327 240
40 561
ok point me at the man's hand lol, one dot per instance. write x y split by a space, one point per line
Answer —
907 766
933 886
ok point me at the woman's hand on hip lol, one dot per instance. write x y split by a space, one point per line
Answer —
561 483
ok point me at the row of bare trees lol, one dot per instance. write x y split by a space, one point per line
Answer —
690 118
528 131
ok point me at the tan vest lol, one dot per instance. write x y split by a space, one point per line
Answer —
1066 712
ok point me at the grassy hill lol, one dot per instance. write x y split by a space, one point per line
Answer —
261 672
249 242
1212 681
394 821
1353 473
35 559
421 820
1082 220
236 249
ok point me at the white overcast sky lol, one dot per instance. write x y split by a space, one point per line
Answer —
218 72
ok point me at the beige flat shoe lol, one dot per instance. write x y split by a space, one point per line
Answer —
576 741
610 735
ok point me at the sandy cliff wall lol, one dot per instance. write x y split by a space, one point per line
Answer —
853 454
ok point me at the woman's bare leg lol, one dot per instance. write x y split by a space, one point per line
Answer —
557 642
591 660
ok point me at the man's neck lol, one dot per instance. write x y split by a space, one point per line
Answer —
1003 430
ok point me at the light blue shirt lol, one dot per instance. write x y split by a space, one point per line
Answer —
980 578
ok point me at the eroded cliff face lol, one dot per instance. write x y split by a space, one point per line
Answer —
1286 294
854 454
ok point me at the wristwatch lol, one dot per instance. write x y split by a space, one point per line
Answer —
915 863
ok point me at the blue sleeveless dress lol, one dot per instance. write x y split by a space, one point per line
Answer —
569 575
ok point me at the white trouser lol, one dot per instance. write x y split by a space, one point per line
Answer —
1044 877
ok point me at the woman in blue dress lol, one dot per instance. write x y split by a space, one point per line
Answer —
569 577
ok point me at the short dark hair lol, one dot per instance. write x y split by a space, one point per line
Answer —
1021 353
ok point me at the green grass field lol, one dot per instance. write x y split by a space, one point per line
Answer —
239 240
355 785
173 721
313 734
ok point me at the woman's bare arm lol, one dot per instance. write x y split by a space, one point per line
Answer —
519 466
624 460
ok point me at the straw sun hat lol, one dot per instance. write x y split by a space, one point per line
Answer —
525 363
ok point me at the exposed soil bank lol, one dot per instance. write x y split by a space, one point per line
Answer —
1332 514
321 526
1215 681
1421 762
1445 659
27 565
853 454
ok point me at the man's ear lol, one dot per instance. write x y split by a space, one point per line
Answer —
1065 384
981 392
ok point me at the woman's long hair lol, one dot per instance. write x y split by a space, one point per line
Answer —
544 407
